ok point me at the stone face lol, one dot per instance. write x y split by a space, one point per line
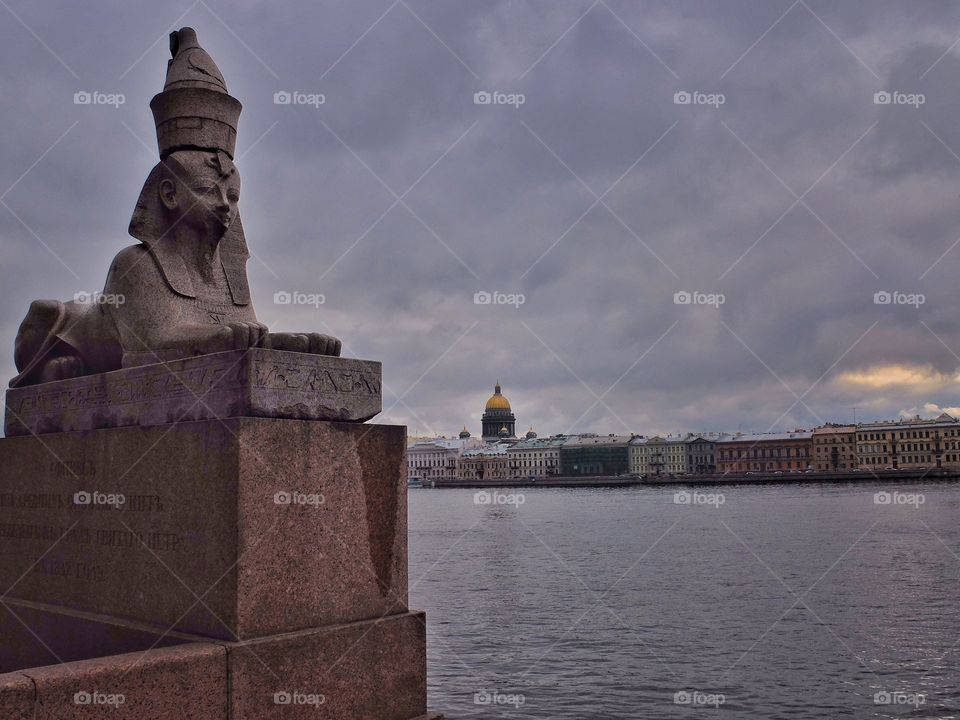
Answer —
227 529
188 681
255 382
373 670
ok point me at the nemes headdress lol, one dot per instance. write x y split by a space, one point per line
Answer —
194 112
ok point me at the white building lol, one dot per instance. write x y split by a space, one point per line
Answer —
437 458
674 454
657 455
535 457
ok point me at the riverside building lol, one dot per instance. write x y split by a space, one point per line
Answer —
765 452
535 458
835 448
432 459
909 444
591 454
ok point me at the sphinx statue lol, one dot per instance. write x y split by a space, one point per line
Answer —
183 290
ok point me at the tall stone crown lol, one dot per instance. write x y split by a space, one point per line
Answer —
194 111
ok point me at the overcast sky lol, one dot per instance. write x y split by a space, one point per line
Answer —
784 189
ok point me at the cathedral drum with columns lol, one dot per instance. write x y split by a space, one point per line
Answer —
498 420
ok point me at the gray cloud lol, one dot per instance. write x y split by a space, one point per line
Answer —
509 206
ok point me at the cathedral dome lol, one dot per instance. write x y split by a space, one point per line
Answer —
497 401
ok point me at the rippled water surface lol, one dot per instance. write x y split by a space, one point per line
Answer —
793 601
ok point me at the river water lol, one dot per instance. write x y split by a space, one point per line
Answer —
790 601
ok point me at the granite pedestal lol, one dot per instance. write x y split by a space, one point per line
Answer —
241 567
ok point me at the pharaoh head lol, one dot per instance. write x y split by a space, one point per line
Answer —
195 186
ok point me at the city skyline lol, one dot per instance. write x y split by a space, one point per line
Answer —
474 424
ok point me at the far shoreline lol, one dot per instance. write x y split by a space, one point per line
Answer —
798 478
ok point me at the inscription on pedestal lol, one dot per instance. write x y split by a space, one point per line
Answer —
254 383
139 523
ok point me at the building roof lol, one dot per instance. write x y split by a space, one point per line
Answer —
940 420
592 439
539 443
488 450
768 437
834 429
443 443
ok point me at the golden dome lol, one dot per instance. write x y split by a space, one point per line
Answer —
497 401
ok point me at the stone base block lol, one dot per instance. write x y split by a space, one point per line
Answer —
17 696
187 681
373 670
370 670
36 634
229 529
255 382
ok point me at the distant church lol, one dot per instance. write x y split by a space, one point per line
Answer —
499 422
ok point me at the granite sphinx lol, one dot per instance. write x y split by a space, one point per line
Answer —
182 290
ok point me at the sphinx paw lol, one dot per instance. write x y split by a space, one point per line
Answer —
61 368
